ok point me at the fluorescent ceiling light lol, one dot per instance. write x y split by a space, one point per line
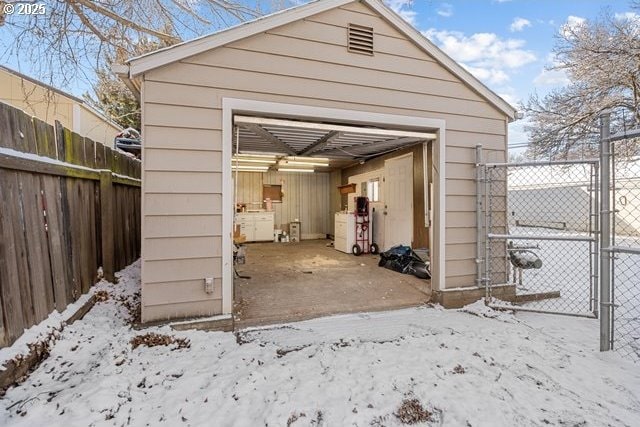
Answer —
259 154
296 163
294 170
308 159
250 170
241 167
267 161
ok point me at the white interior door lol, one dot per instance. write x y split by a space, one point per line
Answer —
398 201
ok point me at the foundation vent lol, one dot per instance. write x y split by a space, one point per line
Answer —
360 39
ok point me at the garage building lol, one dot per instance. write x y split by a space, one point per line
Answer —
276 125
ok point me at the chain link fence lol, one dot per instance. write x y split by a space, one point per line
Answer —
541 227
625 254
565 235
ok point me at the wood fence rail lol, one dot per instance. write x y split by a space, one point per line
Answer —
68 205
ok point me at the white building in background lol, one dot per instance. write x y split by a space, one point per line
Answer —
50 104
563 198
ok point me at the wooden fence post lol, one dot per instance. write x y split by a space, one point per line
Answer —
106 215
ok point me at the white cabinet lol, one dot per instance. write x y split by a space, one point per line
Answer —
247 226
345 231
264 226
256 226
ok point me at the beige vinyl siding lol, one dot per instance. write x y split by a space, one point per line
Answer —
306 63
159 160
180 310
306 197
177 90
178 225
182 233
302 87
178 270
460 188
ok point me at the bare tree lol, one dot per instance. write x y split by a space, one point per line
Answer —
601 59
111 96
80 39
72 38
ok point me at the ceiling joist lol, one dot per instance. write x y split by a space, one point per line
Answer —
268 137
336 141
321 143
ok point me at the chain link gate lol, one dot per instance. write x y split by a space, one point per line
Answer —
566 236
540 234
624 249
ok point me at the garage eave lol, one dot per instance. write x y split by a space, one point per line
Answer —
134 84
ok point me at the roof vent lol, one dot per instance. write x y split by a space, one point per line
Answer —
360 39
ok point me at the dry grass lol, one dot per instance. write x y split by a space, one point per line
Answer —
458 369
152 340
411 412
101 296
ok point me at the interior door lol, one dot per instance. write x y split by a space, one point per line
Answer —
398 201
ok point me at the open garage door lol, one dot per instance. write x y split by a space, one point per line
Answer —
284 171
331 140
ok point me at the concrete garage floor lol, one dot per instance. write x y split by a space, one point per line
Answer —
297 281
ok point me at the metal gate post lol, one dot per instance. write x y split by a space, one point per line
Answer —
486 175
605 233
596 234
479 219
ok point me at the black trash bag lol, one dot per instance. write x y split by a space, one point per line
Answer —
404 260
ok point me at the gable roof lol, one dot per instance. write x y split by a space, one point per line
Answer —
141 64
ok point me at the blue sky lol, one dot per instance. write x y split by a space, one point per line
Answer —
505 43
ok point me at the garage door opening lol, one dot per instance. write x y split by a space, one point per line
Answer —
296 184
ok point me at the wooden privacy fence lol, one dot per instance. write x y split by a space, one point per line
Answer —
68 205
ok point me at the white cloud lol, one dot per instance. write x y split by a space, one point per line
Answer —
571 25
509 94
445 10
548 77
489 75
404 9
519 24
627 16
486 50
551 78
487 56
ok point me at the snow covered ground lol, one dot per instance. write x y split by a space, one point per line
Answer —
473 367
566 268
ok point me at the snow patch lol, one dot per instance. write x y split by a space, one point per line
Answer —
41 331
480 309
360 370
